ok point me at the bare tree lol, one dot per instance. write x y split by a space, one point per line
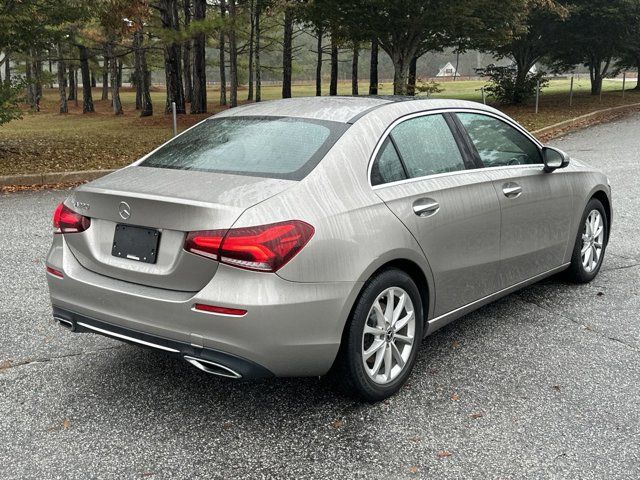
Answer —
64 108
373 68
287 52
221 47
199 92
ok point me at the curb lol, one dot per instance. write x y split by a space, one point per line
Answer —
574 122
39 179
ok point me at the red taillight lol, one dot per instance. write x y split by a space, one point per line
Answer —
265 248
54 272
66 220
234 312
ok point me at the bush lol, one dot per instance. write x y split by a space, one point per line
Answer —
10 98
427 86
507 87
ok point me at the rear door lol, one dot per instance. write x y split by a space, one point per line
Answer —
452 210
536 206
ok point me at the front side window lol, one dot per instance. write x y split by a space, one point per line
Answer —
498 143
275 147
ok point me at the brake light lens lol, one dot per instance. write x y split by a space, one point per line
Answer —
233 312
265 248
66 220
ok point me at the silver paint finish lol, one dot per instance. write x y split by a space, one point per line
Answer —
295 318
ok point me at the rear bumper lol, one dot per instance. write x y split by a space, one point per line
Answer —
290 329
212 361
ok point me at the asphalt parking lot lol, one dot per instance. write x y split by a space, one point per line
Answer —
542 384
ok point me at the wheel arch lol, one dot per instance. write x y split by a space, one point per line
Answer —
417 269
602 196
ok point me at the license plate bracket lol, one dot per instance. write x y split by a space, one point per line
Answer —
136 243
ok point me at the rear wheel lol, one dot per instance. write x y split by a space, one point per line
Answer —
590 244
381 338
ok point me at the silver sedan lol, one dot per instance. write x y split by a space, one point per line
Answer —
319 236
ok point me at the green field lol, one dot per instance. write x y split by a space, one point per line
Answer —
47 141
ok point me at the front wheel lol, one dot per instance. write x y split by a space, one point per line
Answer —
381 338
590 244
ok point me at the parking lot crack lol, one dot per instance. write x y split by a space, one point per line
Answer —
8 364
585 327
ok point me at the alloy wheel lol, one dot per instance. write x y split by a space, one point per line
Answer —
388 336
592 241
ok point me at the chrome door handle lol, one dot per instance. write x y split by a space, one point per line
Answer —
425 207
511 190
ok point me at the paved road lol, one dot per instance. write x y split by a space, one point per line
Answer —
543 384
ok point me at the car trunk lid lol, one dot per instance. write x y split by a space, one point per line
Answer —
171 202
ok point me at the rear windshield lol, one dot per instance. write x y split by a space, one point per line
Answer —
275 147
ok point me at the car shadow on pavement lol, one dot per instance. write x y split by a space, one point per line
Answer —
133 378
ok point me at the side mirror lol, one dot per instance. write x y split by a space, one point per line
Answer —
554 159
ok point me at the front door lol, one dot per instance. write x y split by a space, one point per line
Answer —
536 206
452 211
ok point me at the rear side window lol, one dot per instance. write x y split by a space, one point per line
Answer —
498 143
274 147
388 167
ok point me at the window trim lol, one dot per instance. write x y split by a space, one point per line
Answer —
474 151
443 111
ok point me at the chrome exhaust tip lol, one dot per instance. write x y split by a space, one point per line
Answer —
212 367
63 322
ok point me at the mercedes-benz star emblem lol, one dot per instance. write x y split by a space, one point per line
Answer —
124 210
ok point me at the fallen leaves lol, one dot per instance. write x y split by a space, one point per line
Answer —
414 469
476 415
5 365
443 454
336 424
455 344
455 397
66 423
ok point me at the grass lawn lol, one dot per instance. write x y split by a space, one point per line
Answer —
47 141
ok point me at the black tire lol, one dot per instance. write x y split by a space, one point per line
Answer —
348 371
576 272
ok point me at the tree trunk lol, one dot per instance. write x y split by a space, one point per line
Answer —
72 84
319 61
354 70
455 74
233 56
333 84
37 69
7 67
373 69
637 82
120 72
64 108
223 74
105 77
115 86
94 83
137 65
87 98
597 72
28 74
252 32
257 52
400 75
411 83
172 57
186 55
143 75
199 92
287 53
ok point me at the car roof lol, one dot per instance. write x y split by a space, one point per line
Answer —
343 109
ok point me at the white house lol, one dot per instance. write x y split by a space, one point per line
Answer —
447 71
